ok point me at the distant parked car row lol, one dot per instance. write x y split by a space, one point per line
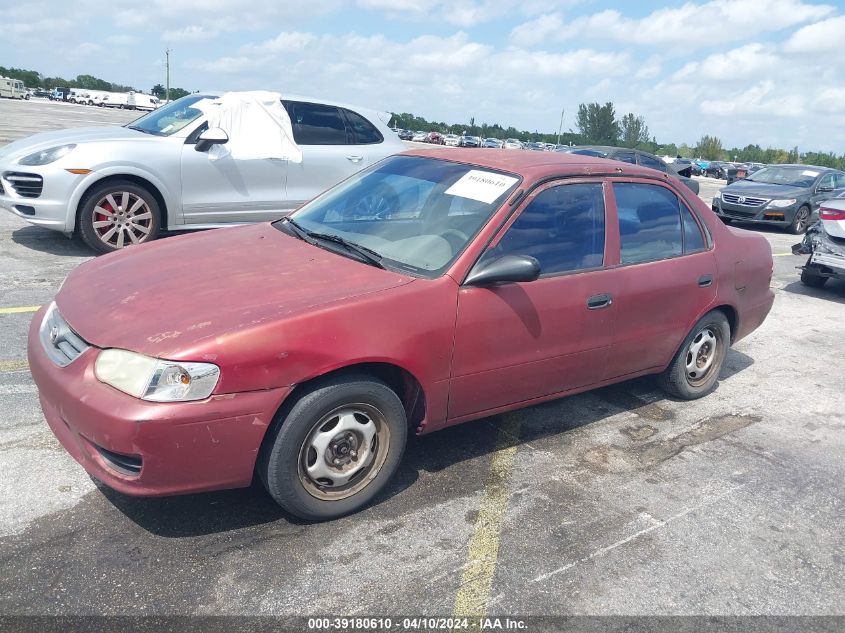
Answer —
101 98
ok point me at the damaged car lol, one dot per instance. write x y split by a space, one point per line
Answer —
824 242
303 352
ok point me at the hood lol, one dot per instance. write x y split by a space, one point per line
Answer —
45 140
748 188
181 293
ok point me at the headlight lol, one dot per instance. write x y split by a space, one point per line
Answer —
718 196
155 379
780 204
46 156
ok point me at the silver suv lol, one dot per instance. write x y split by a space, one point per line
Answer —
117 186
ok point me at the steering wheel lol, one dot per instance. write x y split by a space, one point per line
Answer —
458 239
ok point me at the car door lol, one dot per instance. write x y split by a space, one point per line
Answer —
225 190
666 275
330 153
516 342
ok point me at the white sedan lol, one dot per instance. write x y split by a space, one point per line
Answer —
118 186
451 140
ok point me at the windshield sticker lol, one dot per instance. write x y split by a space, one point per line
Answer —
810 173
483 186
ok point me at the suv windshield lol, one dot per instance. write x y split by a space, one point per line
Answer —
415 214
170 118
791 176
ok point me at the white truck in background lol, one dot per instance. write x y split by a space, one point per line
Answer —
141 101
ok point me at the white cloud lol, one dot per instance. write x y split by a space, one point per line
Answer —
691 25
762 98
464 13
739 64
190 33
821 37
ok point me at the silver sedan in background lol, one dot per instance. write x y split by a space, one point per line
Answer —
118 186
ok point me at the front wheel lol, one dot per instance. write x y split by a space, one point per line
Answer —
118 214
800 222
695 368
335 449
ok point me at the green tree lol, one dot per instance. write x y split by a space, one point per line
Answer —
709 147
158 91
30 78
597 123
634 131
178 93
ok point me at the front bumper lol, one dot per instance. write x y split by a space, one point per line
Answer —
181 447
51 209
765 215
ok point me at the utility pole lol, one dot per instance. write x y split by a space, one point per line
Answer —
167 64
560 127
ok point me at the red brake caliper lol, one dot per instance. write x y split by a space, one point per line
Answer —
100 217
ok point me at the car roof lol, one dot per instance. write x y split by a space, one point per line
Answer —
534 165
800 166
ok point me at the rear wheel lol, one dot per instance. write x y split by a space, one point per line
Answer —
800 222
335 449
695 368
118 214
810 278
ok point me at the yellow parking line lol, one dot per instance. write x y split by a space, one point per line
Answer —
20 309
483 551
13 365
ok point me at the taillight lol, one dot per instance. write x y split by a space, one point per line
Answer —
831 214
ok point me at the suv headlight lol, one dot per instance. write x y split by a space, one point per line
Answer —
154 379
780 204
718 196
46 156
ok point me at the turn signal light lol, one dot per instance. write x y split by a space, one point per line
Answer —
81 172
831 214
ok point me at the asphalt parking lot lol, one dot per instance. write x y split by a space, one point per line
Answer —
615 502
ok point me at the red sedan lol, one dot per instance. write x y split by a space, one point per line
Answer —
434 288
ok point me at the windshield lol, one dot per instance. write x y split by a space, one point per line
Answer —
791 176
417 214
171 118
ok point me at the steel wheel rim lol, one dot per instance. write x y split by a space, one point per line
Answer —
358 461
703 356
122 218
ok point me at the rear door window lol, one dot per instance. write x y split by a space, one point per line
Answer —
693 239
317 124
363 132
649 222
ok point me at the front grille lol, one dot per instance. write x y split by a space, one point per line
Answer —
739 214
745 201
59 341
126 464
25 185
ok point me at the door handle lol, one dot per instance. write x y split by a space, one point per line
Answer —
597 302
355 159
705 280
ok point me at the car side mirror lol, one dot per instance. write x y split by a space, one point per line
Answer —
211 136
824 189
504 269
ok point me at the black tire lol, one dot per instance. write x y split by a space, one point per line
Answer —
801 221
676 380
285 452
91 235
809 278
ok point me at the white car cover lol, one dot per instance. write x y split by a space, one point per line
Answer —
257 124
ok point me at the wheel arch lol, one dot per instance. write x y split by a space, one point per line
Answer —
732 316
406 386
141 181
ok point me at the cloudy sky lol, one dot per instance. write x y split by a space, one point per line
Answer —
749 71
